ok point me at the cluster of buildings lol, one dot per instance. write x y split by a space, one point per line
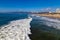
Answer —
57 10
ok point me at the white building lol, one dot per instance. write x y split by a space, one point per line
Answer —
57 10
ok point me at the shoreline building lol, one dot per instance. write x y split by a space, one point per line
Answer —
57 10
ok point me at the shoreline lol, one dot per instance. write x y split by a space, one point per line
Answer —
50 15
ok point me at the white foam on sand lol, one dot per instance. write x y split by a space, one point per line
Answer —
16 30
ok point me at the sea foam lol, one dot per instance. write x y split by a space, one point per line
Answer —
16 30
50 22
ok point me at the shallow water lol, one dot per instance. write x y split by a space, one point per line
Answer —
45 28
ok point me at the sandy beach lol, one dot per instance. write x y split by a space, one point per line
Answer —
49 15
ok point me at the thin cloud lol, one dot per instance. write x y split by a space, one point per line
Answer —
45 9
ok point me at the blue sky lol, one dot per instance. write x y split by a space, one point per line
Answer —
29 5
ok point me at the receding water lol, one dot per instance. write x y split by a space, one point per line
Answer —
45 28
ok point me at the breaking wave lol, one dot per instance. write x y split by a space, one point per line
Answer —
16 30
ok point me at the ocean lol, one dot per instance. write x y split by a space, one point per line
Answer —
44 24
14 26
5 18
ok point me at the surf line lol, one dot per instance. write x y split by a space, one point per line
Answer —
16 30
